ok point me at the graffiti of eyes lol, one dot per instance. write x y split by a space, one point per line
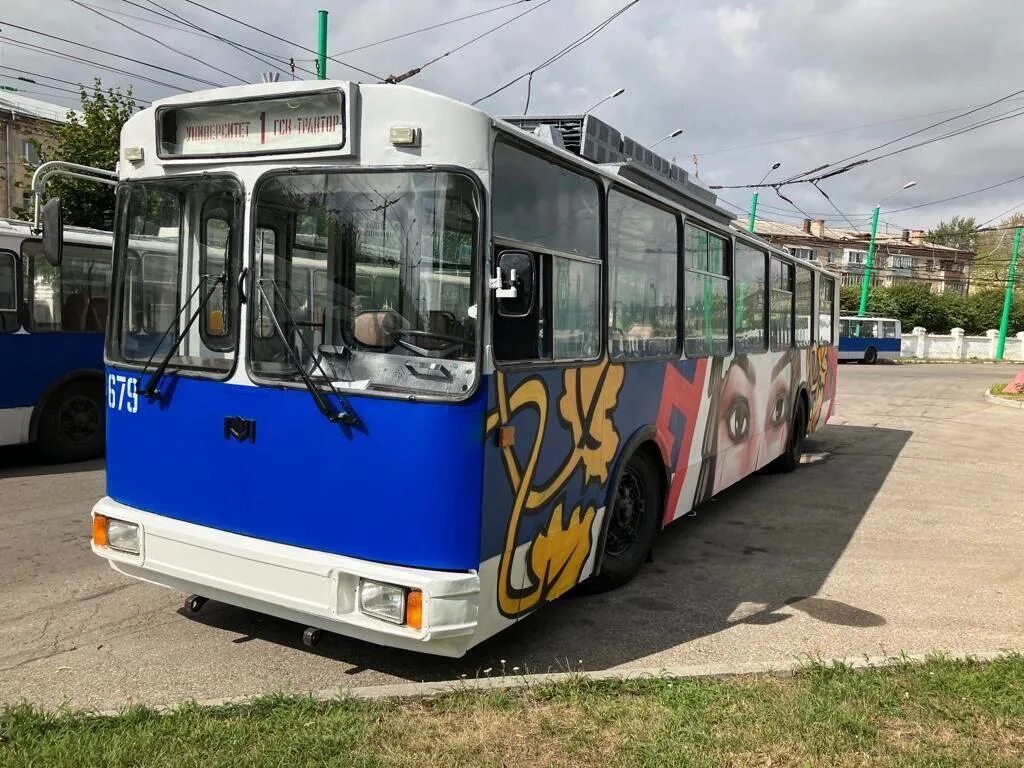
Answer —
737 420
778 413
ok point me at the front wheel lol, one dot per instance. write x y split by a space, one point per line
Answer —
631 527
71 426
870 356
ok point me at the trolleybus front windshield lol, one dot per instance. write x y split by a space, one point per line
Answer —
177 256
369 279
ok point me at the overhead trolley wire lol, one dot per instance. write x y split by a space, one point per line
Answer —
71 57
159 42
79 86
914 133
279 38
432 26
583 39
417 70
109 53
264 57
829 132
1014 113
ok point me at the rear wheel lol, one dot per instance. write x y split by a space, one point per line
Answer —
871 356
632 525
790 460
72 423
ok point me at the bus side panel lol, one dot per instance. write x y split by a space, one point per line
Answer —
545 494
34 361
859 345
403 487
713 420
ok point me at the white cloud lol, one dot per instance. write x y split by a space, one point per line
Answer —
735 26
732 74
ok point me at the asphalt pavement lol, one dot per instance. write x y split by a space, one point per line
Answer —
902 532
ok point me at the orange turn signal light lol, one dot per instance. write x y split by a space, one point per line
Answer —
99 530
414 609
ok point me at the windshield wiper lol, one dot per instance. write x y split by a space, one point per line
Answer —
150 390
342 415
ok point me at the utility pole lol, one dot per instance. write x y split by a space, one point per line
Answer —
321 45
1008 301
867 265
753 202
871 249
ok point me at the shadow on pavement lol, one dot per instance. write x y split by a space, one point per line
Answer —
765 544
24 461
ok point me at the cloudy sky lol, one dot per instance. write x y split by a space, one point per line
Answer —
801 82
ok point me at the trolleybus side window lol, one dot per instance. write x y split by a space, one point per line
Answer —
72 297
546 221
8 292
803 300
706 317
781 304
751 267
889 329
826 308
643 258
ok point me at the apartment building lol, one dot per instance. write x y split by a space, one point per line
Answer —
903 256
26 125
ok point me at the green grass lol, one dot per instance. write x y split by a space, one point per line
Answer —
998 391
941 713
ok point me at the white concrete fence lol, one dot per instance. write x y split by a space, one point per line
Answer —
957 346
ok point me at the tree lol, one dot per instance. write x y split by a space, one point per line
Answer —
958 232
994 249
913 303
92 138
849 299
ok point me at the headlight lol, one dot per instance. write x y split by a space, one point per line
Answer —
122 536
382 601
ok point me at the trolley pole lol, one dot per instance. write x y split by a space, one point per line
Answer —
1008 301
867 265
753 212
321 45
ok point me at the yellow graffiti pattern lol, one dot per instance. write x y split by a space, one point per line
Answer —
558 553
817 376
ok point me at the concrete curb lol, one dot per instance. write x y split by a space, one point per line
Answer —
997 400
781 668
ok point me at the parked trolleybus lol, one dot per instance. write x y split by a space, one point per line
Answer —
383 365
870 339
51 341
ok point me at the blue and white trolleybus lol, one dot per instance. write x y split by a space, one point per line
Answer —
384 365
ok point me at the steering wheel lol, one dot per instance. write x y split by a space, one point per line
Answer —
454 342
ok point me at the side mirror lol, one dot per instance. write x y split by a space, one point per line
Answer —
514 283
53 232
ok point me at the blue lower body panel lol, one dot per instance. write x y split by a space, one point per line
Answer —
403 487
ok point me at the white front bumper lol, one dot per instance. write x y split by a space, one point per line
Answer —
312 588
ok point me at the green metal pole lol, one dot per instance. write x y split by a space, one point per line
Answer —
1008 301
753 212
321 45
867 265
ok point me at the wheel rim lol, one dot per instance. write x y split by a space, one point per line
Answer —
78 418
627 514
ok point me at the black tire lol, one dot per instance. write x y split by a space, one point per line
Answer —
870 356
631 527
72 424
311 636
790 460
